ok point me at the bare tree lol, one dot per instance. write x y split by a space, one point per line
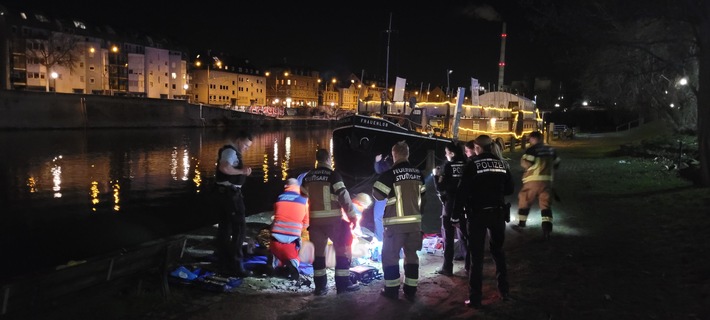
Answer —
701 24
641 70
635 52
58 49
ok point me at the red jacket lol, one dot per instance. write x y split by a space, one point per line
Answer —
291 212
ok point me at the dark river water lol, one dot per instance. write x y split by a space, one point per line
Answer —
74 194
69 195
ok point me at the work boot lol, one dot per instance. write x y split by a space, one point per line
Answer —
243 272
293 273
321 283
410 296
410 292
520 227
349 288
444 271
390 292
320 291
546 230
522 216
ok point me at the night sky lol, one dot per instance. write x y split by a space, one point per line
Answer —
334 37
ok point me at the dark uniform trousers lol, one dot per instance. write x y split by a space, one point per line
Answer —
450 233
232 227
480 223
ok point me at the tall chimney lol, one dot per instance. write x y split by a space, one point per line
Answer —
501 64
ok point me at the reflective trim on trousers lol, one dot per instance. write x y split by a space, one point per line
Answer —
401 220
392 283
411 282
342 272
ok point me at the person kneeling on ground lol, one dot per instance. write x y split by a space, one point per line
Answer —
290 219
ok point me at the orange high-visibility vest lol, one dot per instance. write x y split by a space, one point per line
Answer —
291 212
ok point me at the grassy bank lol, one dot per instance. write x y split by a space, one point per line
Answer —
631 239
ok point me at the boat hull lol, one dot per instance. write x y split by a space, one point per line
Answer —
358 139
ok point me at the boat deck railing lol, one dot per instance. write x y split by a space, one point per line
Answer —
404 122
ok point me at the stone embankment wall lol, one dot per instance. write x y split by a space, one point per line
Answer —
49 110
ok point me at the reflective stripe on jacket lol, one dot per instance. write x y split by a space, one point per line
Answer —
291 212
403 187
327 194
539 161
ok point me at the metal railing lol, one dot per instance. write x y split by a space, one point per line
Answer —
631 124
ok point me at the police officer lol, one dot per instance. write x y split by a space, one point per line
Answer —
485 182
446 183
402 186
328 199
230 175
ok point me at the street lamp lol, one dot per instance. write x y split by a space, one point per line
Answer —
676 87
198 63
113 70
448 72
681 82
276 84
267 74
54 76
287 94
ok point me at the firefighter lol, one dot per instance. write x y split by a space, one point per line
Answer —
539 162
328 197
402 186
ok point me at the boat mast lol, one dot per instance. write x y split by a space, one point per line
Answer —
387 68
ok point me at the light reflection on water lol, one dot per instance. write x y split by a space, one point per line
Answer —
85 192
